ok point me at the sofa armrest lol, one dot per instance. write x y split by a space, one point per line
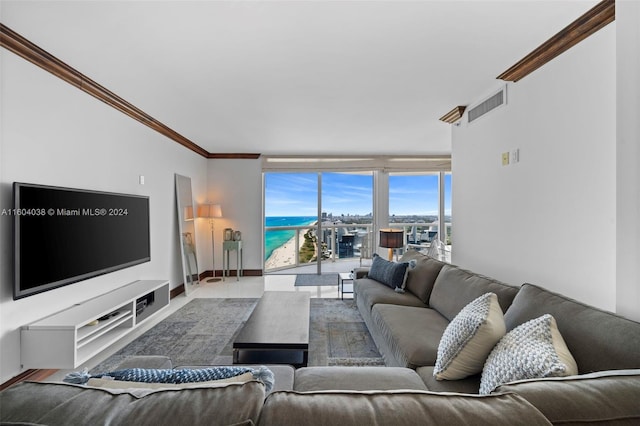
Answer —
601 397
360 272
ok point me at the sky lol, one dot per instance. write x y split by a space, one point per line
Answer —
295 194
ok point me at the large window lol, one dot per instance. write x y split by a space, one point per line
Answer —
291 207
302 228
329 209
347 215
414 205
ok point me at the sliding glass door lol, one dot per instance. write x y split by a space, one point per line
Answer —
316 218
290 217
347 218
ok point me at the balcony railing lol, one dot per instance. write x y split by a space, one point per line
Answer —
337 241
342 241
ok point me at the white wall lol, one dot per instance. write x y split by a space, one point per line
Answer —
551 218
628 158
54 134
237 186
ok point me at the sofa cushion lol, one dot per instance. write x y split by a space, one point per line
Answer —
282 374
605 397
469 384
590 333
422 276
412 334
351 408
469 338
531 350
391 274
455 288
356 378
57 403
370 292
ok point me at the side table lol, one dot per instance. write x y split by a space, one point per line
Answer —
345 276
228 246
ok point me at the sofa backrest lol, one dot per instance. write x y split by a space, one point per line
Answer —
422 276
65 404
598 340
455 288
602 398
398 408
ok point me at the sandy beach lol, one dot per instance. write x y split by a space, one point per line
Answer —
285 255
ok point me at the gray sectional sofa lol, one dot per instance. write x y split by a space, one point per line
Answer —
407 328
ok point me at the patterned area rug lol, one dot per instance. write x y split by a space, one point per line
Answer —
202 333
315 279
339 336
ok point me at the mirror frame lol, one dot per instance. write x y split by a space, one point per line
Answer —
186 233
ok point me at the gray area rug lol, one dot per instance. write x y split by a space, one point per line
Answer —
202 333
315 279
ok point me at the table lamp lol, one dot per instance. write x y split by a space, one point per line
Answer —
391 239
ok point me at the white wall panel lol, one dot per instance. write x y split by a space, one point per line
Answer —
54 134
549 219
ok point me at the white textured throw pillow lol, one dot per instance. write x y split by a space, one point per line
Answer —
469 338
532 350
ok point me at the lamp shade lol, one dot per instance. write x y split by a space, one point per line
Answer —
391 238
188 213
210 211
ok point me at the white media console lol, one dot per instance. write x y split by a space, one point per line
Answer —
71 337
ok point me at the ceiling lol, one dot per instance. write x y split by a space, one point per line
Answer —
296 77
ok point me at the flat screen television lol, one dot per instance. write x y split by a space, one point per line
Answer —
65 235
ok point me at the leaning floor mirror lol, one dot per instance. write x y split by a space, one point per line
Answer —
186 228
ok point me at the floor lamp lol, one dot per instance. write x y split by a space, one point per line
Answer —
211 212
391 239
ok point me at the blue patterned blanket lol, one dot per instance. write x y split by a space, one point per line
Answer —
179 376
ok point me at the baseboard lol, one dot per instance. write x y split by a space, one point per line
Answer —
176 291
233 273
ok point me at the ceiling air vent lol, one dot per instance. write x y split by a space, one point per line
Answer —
484 107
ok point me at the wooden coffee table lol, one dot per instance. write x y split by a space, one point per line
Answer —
277 331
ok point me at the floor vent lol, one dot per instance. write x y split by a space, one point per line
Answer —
486 106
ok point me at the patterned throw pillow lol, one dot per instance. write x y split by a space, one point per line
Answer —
389 273
469 338
532 350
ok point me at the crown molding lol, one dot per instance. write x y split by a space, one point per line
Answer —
22 47
454 115
593 20
238 156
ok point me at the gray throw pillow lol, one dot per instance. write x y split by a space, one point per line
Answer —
532 350
389 273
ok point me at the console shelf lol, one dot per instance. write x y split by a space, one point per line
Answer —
72 336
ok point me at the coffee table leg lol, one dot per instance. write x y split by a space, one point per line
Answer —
236 356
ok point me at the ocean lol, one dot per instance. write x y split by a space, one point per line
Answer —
275 239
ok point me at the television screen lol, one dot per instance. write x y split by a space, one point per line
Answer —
64 235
